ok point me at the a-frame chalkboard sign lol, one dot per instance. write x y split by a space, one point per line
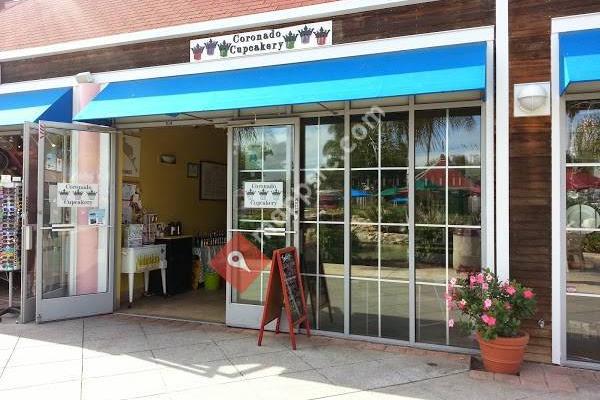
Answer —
285 289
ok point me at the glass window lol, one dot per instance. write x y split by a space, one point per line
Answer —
582 184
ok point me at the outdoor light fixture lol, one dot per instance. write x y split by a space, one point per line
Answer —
84 77
532 99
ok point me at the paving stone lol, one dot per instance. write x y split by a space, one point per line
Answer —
506 378
481 375
560 383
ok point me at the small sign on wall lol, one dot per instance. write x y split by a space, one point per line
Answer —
262 41
263 194
77 195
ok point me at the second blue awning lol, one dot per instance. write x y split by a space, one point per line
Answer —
50 104
579 57
423 71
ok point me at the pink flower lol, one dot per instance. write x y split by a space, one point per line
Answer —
488 320
452 282
451 323
484 286
487 304
528 294
510 290
480 278
472 280
462 304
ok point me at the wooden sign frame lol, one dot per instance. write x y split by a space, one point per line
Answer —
278 295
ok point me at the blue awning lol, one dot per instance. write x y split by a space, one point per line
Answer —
431 70
579 57
50 105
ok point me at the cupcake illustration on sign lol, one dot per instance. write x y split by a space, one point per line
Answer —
290 40
305 34
321 36
63 194
197 50
263 194
224 48
276 193
91 194
77 193
210 47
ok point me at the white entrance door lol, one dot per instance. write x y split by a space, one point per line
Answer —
75 213
263 152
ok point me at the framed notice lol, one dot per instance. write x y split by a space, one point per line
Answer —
263 195
77 194
213 181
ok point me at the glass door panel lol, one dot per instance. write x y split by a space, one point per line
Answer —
260 154
75 232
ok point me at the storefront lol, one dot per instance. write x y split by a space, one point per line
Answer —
399 157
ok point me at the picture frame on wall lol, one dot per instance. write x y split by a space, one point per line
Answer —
193 170
132 150
213 181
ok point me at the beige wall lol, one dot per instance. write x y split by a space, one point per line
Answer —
167 190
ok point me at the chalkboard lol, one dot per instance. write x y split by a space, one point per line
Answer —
285 289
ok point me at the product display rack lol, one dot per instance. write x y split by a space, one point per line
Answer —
11 209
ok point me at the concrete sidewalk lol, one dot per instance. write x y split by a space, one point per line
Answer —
122 357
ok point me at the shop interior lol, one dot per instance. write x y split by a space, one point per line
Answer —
173 221
11 171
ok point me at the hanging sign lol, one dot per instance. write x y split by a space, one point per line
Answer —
263 194
260 42
77 195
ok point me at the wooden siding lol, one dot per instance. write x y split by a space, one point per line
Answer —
530 159
399 21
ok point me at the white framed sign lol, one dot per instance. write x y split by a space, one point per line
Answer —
77 195
263 195
262 41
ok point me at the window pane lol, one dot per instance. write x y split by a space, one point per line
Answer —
394 140
364 319
583 197
464 196
394 252
430 254
241 211
308 195
394 196
331 196
277 146
308 248
365 186
394 310
331 135
583 261
464 251
249 141
364 137
331 313
583 131
331 248
430 196
430 137
464 136
583 328
310 292
365 251
309 144
431 314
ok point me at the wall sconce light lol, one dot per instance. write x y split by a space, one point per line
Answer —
84 77
532 99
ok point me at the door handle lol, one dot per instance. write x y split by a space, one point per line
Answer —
27 237
62 227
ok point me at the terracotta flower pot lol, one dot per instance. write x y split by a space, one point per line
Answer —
503 355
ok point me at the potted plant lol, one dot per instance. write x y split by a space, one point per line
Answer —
197 50
290 40
305 34
224 48
210 47
494 310
321 36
